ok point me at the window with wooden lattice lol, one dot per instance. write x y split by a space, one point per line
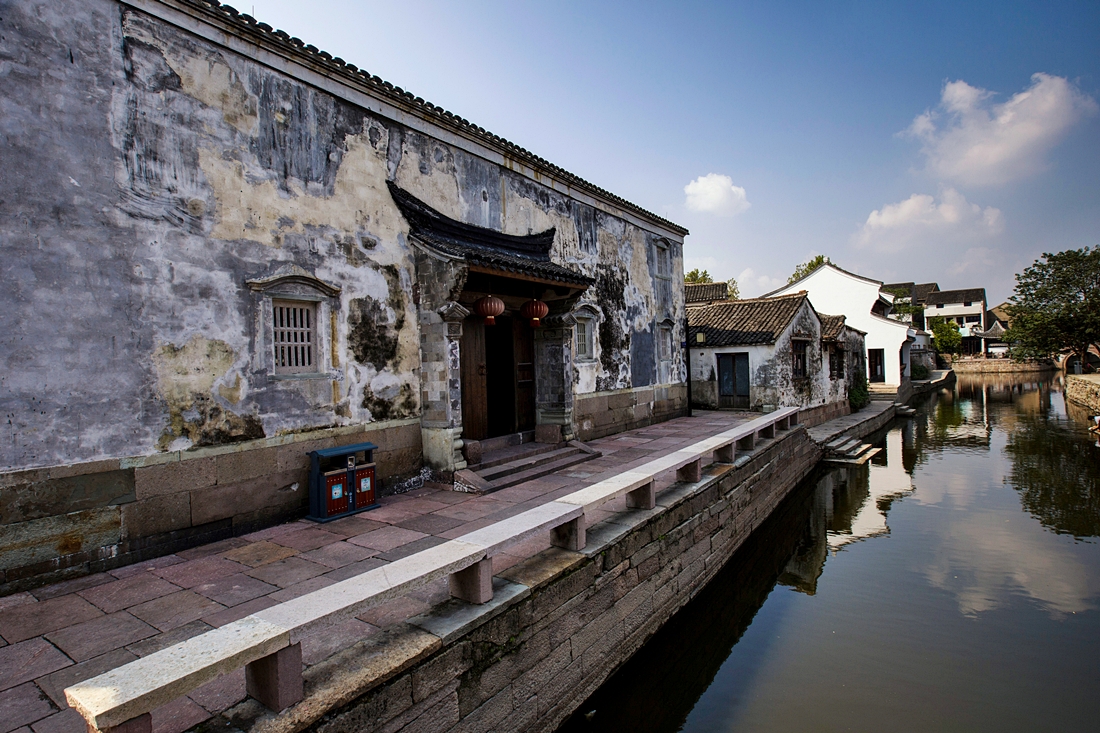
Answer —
295 336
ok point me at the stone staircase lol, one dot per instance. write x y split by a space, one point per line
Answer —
903 410
847 450
509 465
882 391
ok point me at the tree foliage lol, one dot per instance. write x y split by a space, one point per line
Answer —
1056 305
945 334
858 394
697 277
733 292
807 267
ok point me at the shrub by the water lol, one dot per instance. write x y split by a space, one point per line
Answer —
857 394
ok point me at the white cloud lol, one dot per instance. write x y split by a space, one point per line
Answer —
752 284
715 193
971 140
921 220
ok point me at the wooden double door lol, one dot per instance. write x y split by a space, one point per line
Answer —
733 380
876 365
498 377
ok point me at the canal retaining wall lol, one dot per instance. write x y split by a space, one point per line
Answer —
1084 389
860 424
999 366
559 623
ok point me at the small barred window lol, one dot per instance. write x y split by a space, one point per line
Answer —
664 263
798 355
294 337
584 338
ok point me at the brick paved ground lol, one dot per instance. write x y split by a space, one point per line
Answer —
60 634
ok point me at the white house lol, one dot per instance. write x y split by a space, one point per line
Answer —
763 353
858 299
965 307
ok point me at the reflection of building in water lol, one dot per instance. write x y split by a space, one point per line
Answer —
850 504
808 559
886 480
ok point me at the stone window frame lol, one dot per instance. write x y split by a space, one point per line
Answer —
295 343
290 285
664 340
799 366
663 257
591 316
836 362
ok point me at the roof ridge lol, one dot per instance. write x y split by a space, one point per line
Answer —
296 46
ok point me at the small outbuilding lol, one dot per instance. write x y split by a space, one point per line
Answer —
763 353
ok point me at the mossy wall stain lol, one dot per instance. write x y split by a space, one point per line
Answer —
185 381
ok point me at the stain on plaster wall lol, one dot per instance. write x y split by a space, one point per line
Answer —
185 381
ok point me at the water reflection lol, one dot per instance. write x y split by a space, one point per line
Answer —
950 584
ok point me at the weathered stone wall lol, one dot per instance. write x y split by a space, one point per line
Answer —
1084 390
605 413
160 185
823 413
571 620
997 366
83 518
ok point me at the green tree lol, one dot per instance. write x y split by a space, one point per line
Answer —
946 335
733 292
1056 305
807 267
696 277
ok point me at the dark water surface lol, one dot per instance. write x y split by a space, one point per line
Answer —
952 584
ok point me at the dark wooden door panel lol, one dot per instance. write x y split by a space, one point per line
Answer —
524 350
475 422
741 380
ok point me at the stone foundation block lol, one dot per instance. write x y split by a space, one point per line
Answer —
548 434
569 536
643 497
691 473
475 583
276 680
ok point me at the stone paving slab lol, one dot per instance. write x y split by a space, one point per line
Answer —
133 611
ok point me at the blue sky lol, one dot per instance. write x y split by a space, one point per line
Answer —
947 142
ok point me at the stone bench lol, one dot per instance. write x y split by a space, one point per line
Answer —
638 483
268 645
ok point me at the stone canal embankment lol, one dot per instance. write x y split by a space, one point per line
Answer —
1084 389
1000 366
559 623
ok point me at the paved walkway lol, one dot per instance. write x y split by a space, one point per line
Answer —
61 634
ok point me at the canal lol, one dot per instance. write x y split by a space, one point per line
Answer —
951 584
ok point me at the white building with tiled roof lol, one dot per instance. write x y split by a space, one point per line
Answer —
858 298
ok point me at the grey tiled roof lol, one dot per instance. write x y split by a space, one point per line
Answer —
917 292
831 326
705 292
522 255
967 295
263 35
743 322
921 291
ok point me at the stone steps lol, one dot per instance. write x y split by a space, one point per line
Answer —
849 450
496 473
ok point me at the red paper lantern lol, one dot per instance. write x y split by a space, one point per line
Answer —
535 310
489 308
